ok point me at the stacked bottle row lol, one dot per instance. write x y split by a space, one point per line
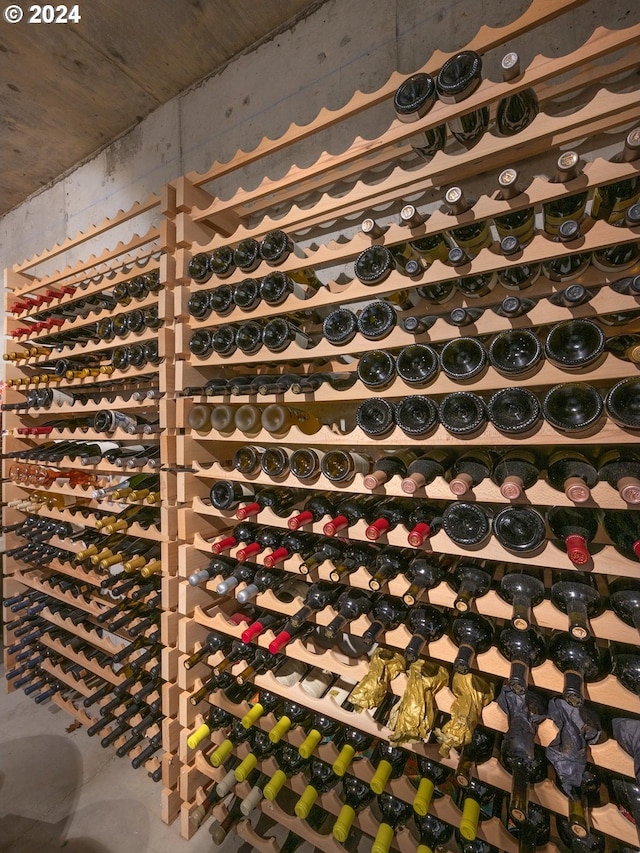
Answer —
82 491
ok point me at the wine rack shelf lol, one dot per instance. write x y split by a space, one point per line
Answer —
540 494
607 560
191 216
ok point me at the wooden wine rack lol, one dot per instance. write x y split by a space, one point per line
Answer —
192 218
107 263
211 222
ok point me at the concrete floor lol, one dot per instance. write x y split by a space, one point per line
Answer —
62 790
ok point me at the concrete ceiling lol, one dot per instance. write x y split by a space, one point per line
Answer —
66 90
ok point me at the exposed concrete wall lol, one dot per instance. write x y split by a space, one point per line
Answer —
343 46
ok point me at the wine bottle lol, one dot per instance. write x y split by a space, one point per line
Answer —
321 779
572 407
393 814
576 528
458 78
479 801
515 112
626 666
610 201
519 529
473 634
625 347
471 237
463 413
424 574
571 472
319 595
387 613
565 208
351 510
624 597
590 842
463 358
427 624
516 277
567 267
315 509
387 467
340 466
580 660
519 754
412 100
353 557
620 468
340 326
376 369
574 343
356 795
515 352
470 581
620 405
515 472
524 650
390 513
376 417
351 604
470 469
290 763
389 563
416 416
433 833
620 256
523 588
466 524
377 320
576 594
416 364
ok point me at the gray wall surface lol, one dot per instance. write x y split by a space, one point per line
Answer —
343 46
